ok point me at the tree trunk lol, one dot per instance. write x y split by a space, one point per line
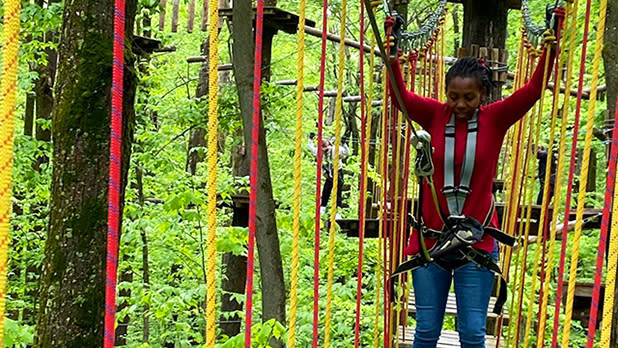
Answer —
485 25
457 37
610 58
72 303
273 286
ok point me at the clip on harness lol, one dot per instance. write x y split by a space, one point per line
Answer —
454 242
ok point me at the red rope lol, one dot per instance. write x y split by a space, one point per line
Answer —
257 81
361 206
569 193
318 194
115 161
609 192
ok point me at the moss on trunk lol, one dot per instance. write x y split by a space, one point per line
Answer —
73 282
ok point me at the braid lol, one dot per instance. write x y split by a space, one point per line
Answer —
473 68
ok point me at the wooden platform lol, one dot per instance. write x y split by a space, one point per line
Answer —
448 339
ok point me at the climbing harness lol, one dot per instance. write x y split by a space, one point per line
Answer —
454 242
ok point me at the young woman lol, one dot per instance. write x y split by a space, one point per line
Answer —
468 83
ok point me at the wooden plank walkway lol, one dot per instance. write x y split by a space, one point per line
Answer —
451 306
448 339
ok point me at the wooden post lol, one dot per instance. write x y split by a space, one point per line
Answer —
191 16
162 15
175 16
205 16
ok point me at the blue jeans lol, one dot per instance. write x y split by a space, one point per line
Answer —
473 287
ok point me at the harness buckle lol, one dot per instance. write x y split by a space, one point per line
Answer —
449 190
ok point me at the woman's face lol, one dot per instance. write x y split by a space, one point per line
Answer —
464 95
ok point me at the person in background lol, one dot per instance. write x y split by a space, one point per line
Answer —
541 156
328 148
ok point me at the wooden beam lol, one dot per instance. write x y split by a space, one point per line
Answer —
335 38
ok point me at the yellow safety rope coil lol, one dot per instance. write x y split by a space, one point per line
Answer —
333 206
559 173
537 254
8 91
297 175
213 121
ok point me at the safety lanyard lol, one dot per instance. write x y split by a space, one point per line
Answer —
456 195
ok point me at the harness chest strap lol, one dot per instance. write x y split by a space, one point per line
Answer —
456 195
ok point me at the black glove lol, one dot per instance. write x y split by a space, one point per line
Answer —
344 140
397 28
551 19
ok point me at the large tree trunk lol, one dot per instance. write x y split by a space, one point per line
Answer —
273 286
72 302
485 25
610 58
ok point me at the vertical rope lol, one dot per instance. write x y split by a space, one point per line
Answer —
318 183
253 172
333 208
557 189
610 283
536 129
115 162
213 81
519 75
609 193
569 192
363 180
300 86
8 91
540 222
585 164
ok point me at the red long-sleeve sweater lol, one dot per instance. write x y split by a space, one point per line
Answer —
493 122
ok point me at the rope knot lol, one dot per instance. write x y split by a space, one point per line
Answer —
389 22
560 12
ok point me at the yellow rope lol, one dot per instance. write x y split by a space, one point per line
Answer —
376 330
537 253
213 76
297 176
381 238
333 207
559 172
608 300
610 282
520 71
8 91
535 128
584 181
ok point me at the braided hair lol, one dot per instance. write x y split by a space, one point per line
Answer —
473 68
